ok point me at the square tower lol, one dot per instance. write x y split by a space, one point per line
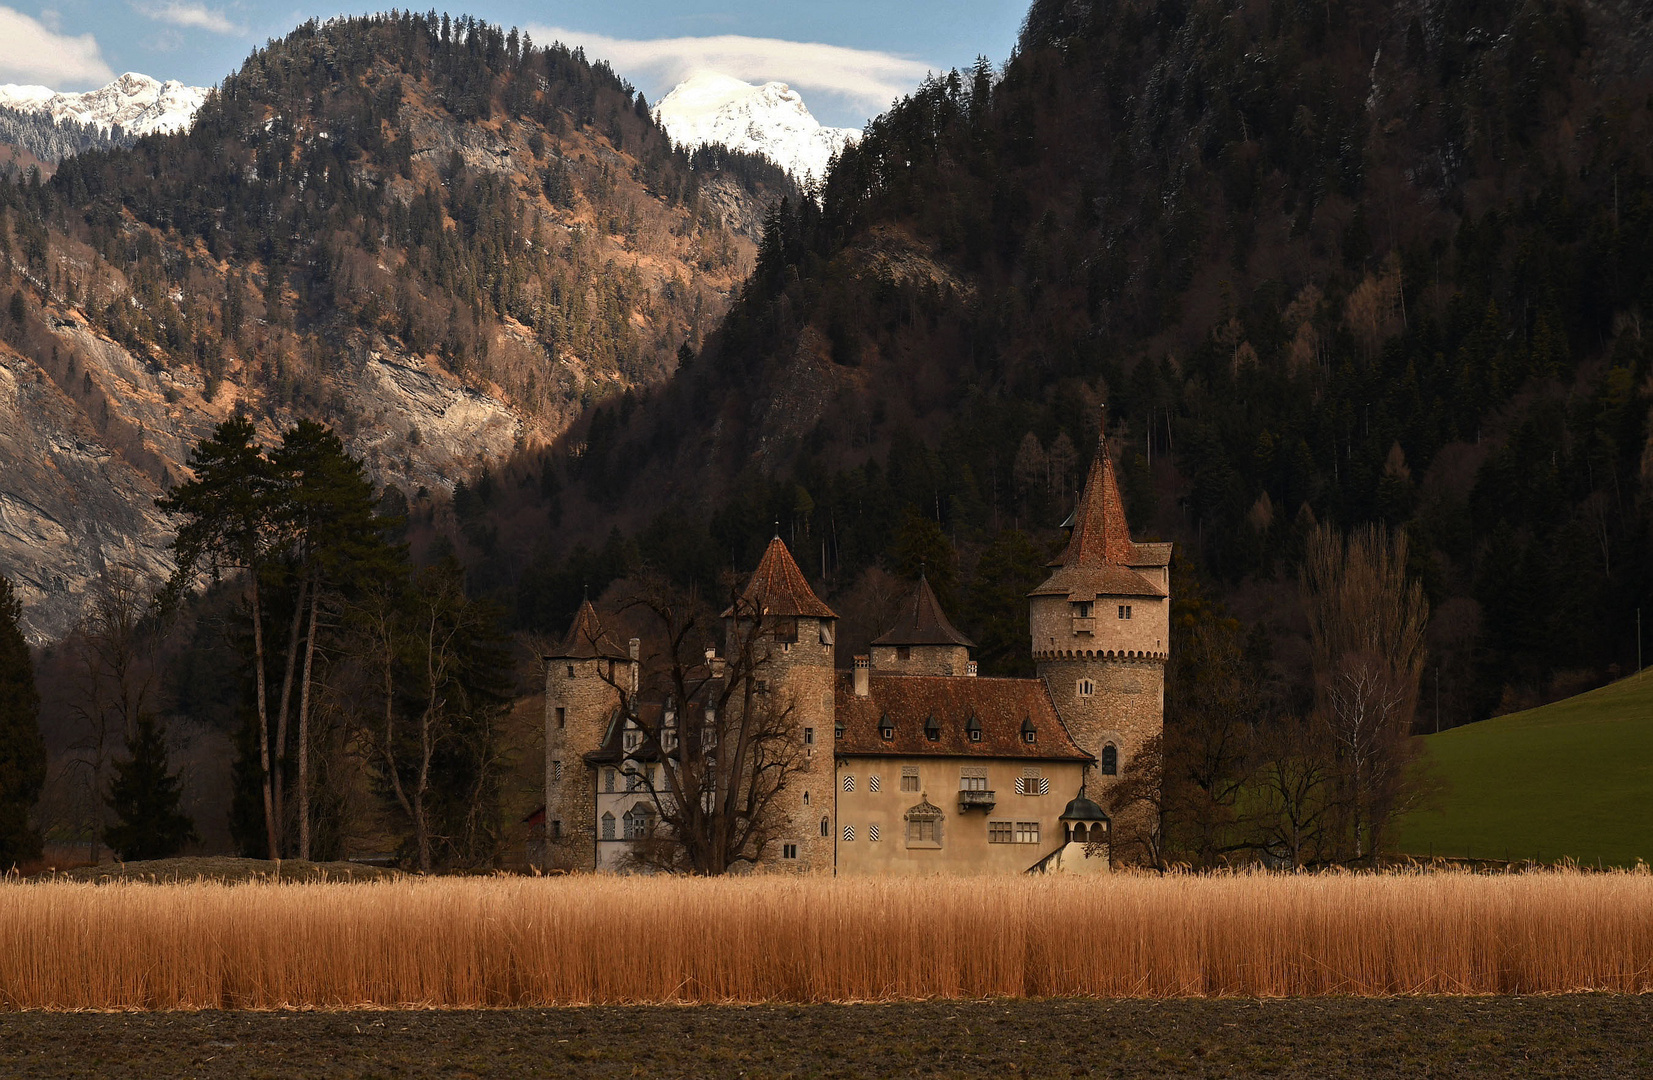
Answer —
580 701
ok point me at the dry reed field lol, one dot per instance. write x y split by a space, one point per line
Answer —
499 942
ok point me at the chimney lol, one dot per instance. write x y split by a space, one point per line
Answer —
863 675
970 668
635 647
714 662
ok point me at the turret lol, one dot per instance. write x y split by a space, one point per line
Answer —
1101 628
923 641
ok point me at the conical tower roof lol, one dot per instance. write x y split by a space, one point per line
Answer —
587 639
1101 535
922 622
1101 558
778 588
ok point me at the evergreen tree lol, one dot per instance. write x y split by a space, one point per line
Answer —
144 795
22 752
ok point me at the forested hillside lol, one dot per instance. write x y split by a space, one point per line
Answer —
1336 263
434 235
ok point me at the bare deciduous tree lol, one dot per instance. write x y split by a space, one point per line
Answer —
725 739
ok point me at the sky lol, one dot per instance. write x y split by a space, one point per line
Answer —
848 58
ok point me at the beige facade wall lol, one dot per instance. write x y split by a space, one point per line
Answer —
921 660
587 702
965 846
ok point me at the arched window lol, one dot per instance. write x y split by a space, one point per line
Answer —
608 825
826 827
1110 760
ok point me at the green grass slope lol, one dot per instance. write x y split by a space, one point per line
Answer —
1573 778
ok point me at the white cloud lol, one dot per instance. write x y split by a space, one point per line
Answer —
31 53
193 16
869 81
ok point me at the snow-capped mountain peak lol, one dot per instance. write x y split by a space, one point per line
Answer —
770 119
138 103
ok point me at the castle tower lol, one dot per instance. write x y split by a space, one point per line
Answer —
1101 628
580 700
795 632
923 641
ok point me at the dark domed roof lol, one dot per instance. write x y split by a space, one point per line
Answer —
1083 809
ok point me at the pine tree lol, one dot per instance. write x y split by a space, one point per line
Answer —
22 752
144 795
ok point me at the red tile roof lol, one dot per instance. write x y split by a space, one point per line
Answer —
922 622
779 588
1000 706
587 639
1101 559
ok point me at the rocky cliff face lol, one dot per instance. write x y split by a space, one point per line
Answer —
444 249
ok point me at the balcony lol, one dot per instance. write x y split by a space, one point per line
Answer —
1084 624
975 800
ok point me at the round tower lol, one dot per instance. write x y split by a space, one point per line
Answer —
1101 631
580 701
793 633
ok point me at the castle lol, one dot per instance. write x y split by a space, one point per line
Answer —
908 762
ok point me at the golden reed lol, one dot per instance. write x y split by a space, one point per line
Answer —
463 943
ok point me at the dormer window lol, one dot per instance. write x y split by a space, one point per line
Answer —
886 727
972 728
1030 734
932 728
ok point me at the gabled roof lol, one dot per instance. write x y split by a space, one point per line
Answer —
1000 707
778 588
922 622
587 639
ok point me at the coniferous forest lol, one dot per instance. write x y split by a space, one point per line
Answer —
1308 268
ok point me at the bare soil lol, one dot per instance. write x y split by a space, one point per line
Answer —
1510 1038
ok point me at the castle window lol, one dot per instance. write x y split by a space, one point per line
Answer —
634 780
639 822
1030 734
849 781
1085 688
872 782
1082 609
608 781
973 778
849 833
826 827
972 728
886 727
556 772
1124 611
763 686
633 740
570 671
924 825
1031 783
556 830
999 832
809 736
608 825
786 631
562 717
909 778
1110 760
826 632
789 851
932 728
903 652
872 834
1027 832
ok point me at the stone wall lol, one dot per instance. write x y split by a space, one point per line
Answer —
587 702
921 660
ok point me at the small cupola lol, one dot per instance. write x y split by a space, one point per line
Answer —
1084 822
